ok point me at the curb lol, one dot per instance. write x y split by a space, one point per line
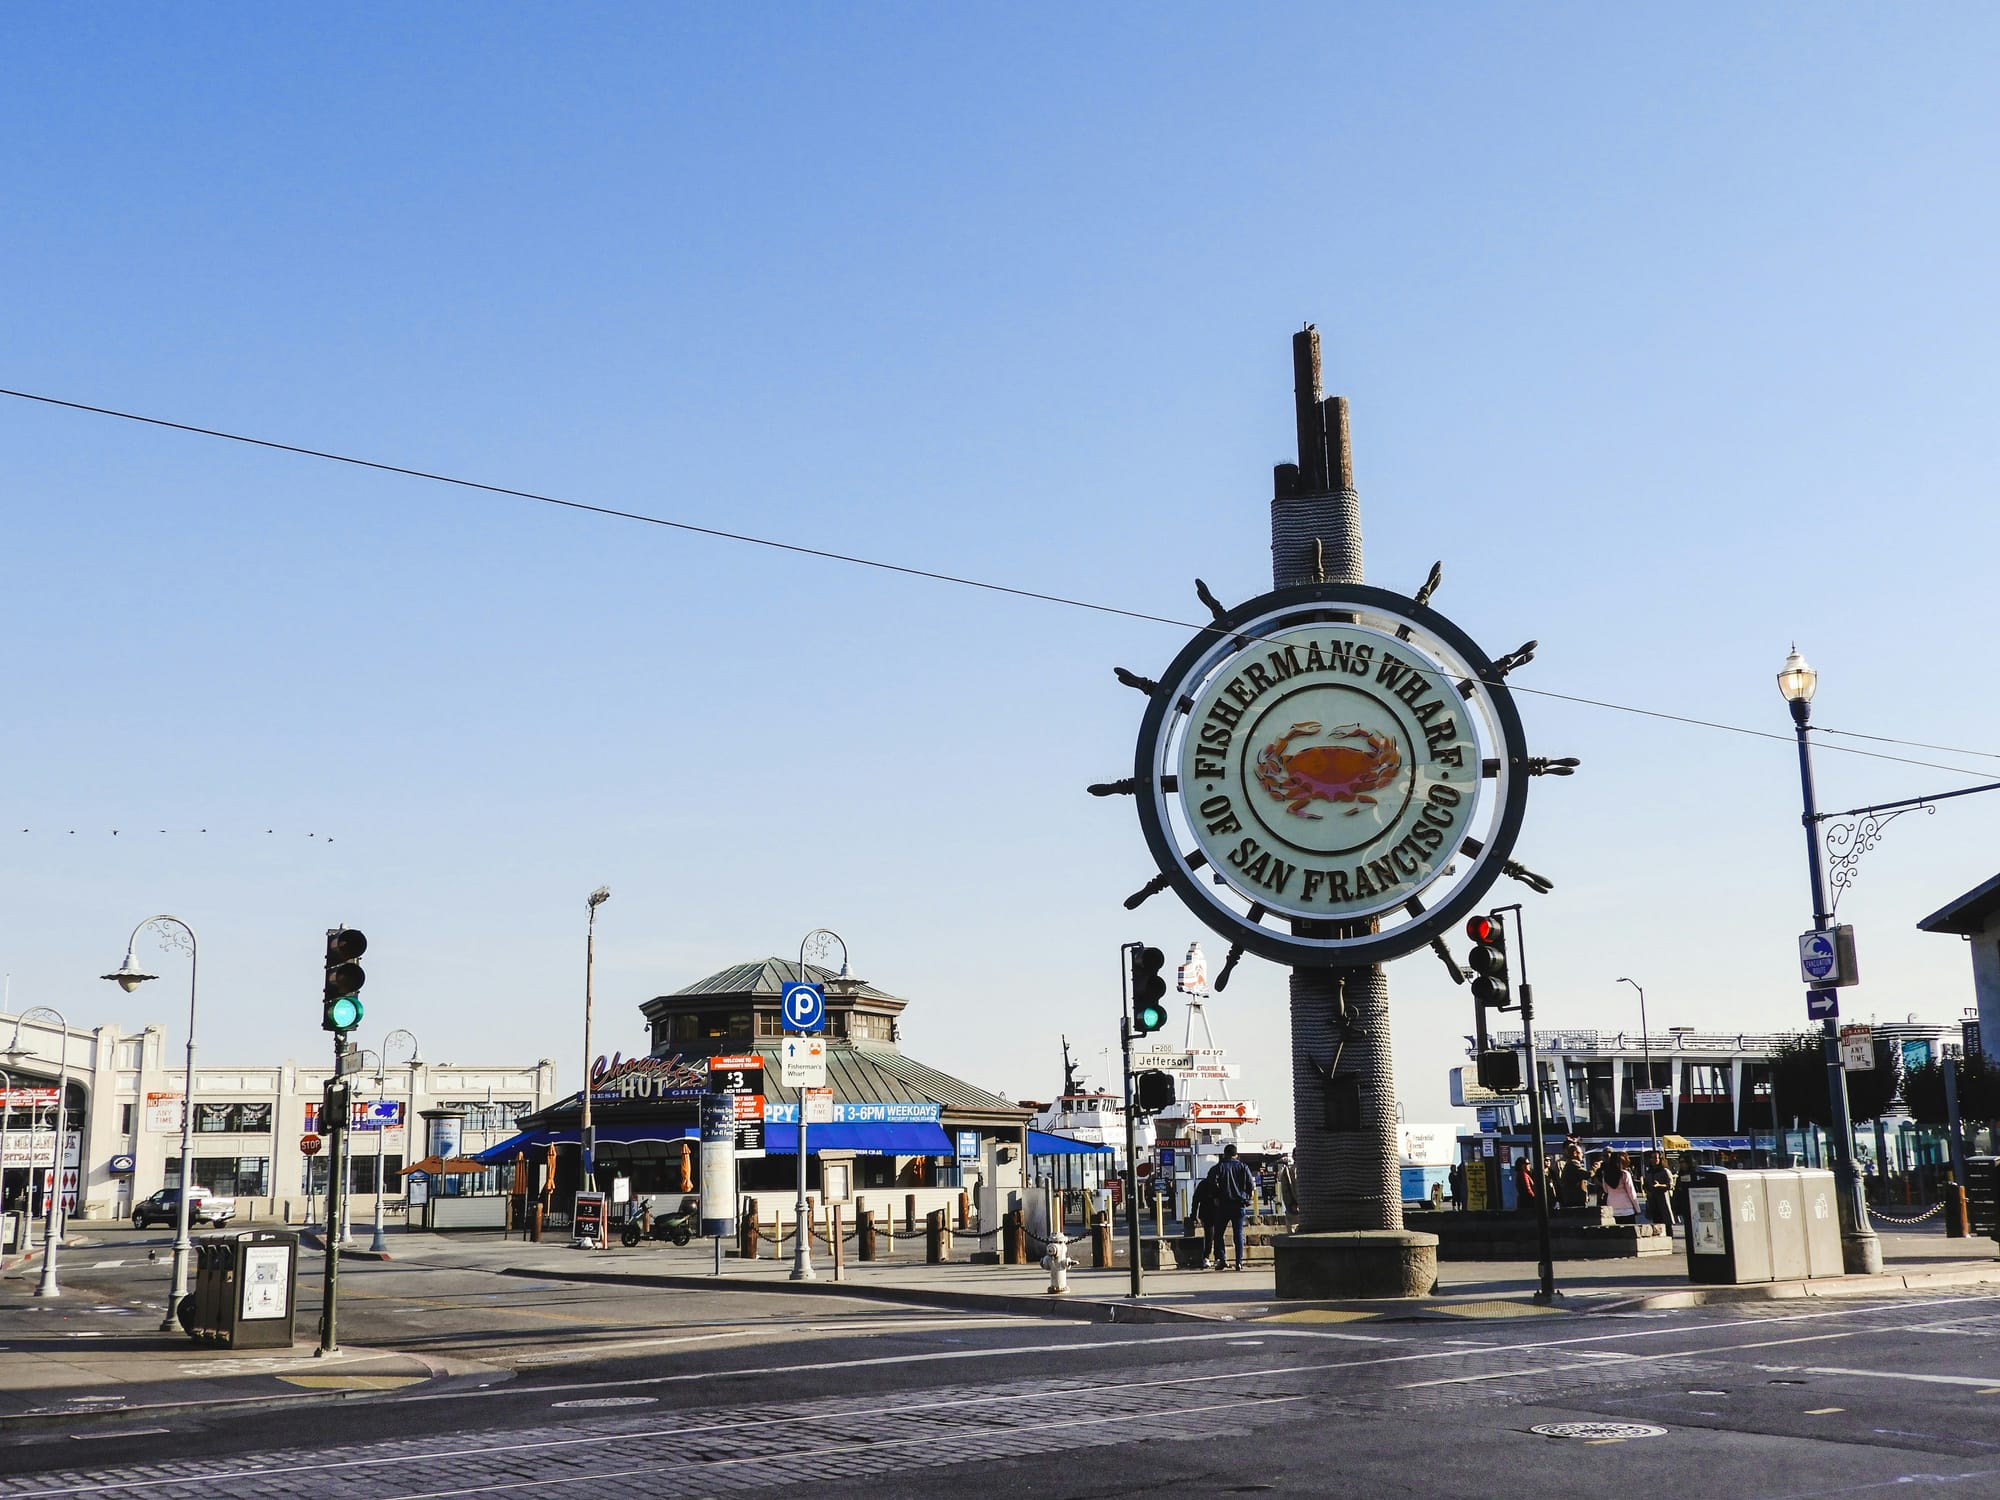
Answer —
347 1252
1965 1274
1078 1309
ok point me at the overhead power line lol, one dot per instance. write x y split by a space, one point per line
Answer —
935 576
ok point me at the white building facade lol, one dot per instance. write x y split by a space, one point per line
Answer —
250 1121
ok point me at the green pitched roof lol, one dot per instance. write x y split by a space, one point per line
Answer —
767 978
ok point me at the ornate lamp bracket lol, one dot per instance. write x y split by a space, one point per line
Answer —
1848 836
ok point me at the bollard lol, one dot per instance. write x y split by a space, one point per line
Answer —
964 1209
1058 1262
746 1234
864 1233
535 1228
1020 1255
1010 1240
1955 1225
833 1222
910 1213
937 1238
1100 1245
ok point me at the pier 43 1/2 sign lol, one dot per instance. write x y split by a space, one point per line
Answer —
1331 774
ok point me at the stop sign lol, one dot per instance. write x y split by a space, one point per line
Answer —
309 1145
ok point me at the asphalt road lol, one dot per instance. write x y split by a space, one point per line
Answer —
570 1389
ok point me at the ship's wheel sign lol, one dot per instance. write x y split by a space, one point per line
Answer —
1331 774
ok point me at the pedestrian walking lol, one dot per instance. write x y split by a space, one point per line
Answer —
1524 1186
1621 1195
1235 1187
1658 1184
1208 1214
1572 1177
1456 1178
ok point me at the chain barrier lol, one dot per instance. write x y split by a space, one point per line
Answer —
1931 1212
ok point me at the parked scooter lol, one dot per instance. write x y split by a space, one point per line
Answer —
677 1228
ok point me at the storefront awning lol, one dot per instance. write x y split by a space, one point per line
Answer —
1042 1143
607 1135
864 1138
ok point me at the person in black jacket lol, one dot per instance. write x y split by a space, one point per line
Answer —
1234 1188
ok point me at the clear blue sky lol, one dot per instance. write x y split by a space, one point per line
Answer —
1673 337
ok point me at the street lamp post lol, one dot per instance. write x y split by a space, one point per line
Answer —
6 1115
409 1113
1860 1250
52 1200
1646 1045
381 1129
128 977
586 1135
802 1264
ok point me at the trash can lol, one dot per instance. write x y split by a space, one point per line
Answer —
245 1291
1727 1241
1775 1225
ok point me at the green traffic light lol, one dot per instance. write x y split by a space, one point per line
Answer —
344 1014
1150 1016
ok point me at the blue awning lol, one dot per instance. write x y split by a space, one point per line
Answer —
1042 1143
607 1135
864 1138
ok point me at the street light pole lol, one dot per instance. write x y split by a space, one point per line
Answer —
1860 1249
6 1115
128 978
381 1129
1646 1044
802 1265
409 1113
52 1200
586 1134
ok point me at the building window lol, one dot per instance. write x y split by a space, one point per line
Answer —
870 1028
128 1118
226 1176
232 1119
495 1116
770 1023
364 1173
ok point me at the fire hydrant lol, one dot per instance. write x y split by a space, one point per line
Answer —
1058 1261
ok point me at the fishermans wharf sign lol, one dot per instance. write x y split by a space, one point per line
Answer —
1325 763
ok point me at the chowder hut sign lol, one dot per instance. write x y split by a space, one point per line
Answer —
1331 774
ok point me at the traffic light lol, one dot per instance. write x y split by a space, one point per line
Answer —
1492 987
1500 1072
1153 1091
344 978
1149 990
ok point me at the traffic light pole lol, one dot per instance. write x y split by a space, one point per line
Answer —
333 1125
1131 1121
1538 1168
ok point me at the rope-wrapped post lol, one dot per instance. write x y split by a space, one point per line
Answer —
937 1238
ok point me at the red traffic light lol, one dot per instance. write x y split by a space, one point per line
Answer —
1483 929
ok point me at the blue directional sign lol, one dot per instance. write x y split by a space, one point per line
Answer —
1822 1005
803 1007
968 1145
1818 960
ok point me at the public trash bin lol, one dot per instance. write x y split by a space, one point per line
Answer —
1779 1225
245 1291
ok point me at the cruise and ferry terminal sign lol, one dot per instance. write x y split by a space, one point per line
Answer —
1322 758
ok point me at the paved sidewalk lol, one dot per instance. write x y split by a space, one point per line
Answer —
1912 1260
89 1353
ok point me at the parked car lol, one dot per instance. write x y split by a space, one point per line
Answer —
164 1207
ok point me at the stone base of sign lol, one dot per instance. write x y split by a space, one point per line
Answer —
1356 1263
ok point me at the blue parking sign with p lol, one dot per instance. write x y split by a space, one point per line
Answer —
803 1007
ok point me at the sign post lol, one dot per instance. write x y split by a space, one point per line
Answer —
802 1006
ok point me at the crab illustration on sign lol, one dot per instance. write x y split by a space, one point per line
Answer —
1328 773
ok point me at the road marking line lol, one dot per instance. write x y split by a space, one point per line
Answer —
1822 1411
1982 1383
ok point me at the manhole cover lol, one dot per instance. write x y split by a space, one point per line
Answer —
611 1401
1598 1430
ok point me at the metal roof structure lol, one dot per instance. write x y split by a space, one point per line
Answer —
766 979
1967 916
